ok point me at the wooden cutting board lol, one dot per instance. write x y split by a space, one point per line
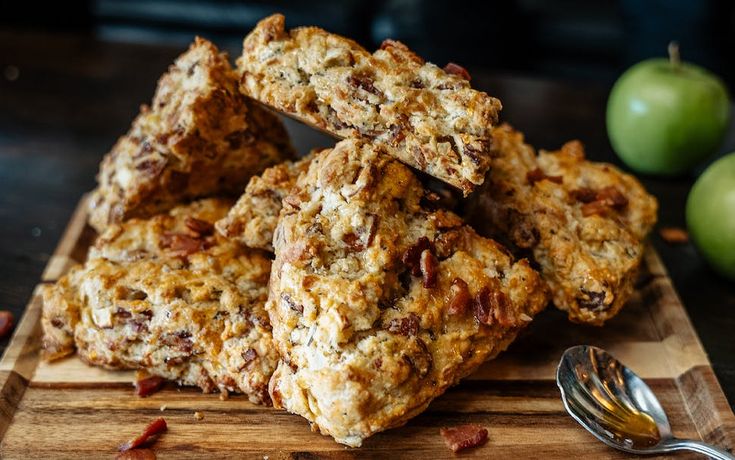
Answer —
69 410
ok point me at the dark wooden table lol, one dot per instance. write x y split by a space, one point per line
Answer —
65 99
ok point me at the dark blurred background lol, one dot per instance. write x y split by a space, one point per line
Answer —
73 74
570 39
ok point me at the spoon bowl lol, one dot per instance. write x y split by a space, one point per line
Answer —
616 406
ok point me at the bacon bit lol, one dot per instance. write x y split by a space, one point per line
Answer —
482 306
613 197
291 303
373 229
412 256
6 322
122 313
421 361
249 355
501 308
464 436
353 241
136 454
151 167
428 265
378 363
460 297
594 208
538 175
181 244
408 326
674 235
397 135
154 428
601 201
198 226
584 195
458 70
180 340
146 386
364 82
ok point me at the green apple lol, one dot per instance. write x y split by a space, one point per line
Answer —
711 215
665 116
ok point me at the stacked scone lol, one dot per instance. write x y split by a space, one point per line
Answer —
338 286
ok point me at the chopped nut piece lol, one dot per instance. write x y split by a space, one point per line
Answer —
198 415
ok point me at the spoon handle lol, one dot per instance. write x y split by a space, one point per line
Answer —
700 447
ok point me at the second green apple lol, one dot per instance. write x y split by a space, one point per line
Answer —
664 116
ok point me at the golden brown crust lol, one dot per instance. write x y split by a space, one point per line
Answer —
584 222
200 137
169 296
426 117
254 217
376 301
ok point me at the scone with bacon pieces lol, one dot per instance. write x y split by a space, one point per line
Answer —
199 137
169 296
378 301
428 117
584 223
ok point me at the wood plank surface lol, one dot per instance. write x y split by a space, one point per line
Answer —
69 410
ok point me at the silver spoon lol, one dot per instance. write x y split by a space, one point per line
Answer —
616 406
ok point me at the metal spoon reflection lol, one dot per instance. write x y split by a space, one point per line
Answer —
616 406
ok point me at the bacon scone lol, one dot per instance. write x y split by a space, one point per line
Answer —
379 303
200 137
169 296
255 215
585 223
427 117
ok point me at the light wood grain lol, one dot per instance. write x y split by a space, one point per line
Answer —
70 410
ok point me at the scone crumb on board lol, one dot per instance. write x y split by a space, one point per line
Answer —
163 407
198 415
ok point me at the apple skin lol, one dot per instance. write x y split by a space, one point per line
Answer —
665 118
710 215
